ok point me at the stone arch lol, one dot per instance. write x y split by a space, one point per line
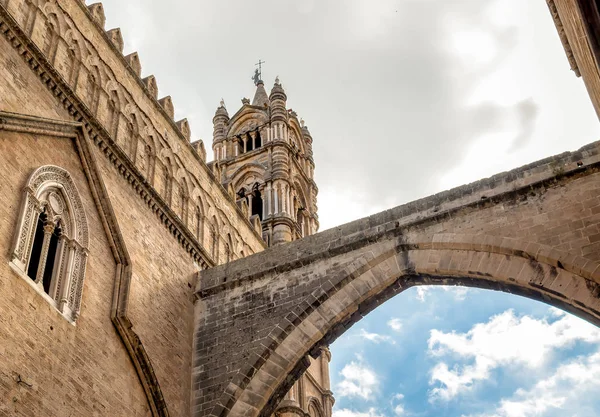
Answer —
315 409
239 176
245 117
132 135
365 277
165 174
51 8
73 57
181 196
52 31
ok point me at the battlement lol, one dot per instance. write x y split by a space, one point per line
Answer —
89 59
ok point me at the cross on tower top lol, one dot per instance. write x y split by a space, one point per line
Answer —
258 72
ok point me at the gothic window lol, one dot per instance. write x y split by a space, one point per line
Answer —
50 248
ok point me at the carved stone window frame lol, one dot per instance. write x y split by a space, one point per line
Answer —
51 189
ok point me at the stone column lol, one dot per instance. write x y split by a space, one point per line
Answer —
270 198
63 296
250 196
263 192
48 230
276 211
253 137
284 208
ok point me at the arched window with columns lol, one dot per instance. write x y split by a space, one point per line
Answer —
51 243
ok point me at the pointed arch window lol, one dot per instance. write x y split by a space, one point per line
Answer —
51 243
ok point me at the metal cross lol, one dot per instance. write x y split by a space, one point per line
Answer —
258 72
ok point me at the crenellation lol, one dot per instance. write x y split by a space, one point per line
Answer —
116 38
97 11
151 86
184 127
134 62
167 105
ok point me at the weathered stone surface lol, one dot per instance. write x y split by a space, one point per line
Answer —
530 231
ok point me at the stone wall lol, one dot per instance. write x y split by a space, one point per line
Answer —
48 366
531 231
91 62
47 78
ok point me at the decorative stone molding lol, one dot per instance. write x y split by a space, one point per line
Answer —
51 190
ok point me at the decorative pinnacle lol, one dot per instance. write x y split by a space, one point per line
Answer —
277 80
222 102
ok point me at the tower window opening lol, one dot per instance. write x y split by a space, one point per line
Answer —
258 140
249 144
257 204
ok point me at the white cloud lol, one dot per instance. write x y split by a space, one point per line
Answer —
345 412
395 324
397 405
504 340
376 337
571 384
422 292
359 381
460 293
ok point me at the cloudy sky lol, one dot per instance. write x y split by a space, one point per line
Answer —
404 98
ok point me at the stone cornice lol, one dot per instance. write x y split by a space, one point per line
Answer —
133 344
94 129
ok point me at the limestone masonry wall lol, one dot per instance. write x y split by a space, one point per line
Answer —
91 62
101 379
79 370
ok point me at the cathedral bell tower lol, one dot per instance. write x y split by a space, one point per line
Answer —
264 153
